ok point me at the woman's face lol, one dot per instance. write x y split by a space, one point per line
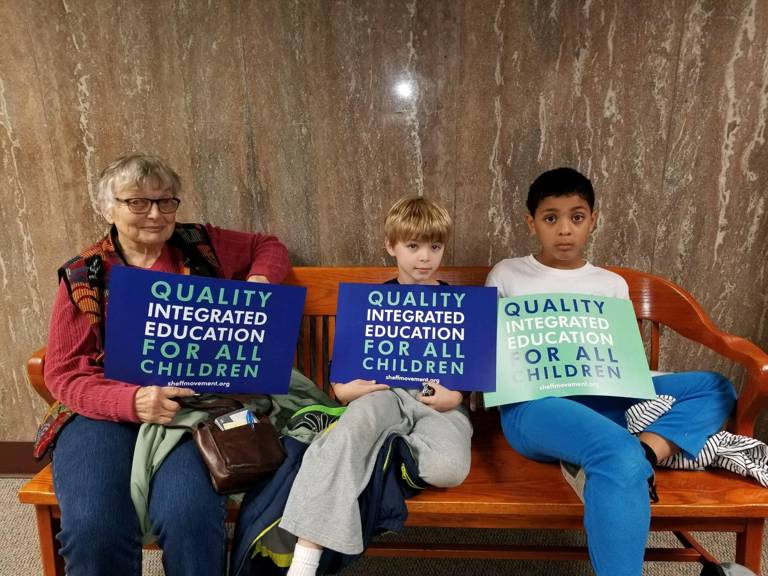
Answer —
142 231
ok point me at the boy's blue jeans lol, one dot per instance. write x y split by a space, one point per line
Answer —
591 432
99 530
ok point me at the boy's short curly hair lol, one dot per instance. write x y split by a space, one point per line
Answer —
417 218
560 182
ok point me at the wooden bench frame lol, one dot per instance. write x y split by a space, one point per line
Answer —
505 490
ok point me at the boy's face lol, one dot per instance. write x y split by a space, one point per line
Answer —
562 225
417 260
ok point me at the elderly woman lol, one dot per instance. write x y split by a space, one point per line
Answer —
138 195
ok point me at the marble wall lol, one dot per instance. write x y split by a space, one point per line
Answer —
307 119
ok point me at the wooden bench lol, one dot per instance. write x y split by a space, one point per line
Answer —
505 490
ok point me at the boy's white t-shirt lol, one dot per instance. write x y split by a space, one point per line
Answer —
526 275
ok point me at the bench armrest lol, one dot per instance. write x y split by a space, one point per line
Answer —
665 303
35 367
753 398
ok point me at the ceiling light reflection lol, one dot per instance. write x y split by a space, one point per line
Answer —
404 89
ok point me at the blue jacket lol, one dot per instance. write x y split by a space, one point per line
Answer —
261 548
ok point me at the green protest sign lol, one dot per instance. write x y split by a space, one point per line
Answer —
568 345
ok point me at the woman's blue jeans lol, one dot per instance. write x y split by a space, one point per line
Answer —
591 432
99 529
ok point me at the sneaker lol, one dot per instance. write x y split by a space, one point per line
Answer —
652 494
726 569
575 476
315 418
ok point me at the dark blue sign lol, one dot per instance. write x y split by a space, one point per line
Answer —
207 334
406 335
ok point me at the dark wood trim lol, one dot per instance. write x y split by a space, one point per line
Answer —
16 459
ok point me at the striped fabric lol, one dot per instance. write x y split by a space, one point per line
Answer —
643 414
739 454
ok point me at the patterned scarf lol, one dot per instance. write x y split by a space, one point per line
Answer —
87 279
87 274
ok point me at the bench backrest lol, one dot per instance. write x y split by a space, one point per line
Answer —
656 301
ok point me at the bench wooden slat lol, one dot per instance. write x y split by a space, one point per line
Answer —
515 552
502 483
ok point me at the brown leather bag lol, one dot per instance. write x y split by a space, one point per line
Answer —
239 457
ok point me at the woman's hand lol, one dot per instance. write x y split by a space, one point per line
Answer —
155 403
345 393
259 279
443 399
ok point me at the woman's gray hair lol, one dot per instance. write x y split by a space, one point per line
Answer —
134 171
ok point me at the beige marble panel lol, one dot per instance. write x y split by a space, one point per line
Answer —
578 84
23 211
365 80
296 118
711 226
278 128
211 66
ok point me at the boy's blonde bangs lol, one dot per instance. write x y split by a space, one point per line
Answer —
417 218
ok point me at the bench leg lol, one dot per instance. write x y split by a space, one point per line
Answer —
47 527
749 544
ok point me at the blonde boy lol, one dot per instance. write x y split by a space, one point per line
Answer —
322 508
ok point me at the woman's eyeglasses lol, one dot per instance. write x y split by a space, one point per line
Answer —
144 205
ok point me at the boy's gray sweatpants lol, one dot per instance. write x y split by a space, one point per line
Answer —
322 506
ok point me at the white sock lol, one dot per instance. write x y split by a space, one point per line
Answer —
305 561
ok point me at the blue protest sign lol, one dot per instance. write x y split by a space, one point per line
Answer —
207 334
405 335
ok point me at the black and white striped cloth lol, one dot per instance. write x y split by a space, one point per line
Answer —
739 454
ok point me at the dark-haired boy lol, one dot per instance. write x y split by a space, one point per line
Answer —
591 431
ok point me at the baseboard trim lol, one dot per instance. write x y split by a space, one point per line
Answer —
16 459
